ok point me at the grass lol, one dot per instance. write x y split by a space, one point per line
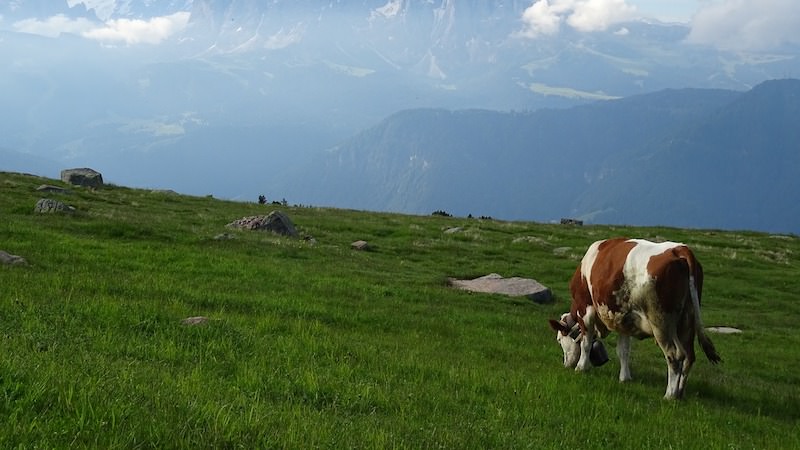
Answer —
312 344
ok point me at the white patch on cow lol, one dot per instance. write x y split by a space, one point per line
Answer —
572 350
638 282
639 256
588 262
608 316
585 344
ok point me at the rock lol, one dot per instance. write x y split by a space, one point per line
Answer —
360 245
568 221
47 205
199 320
53 189
168 192
11 260
453 230
224 237
82 177
514 287
723 330
276 222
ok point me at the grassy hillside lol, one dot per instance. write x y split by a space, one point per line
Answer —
313 344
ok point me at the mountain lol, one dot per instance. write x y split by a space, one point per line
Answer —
233 97
735 169
689 157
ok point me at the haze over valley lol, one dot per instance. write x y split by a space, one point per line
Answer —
521 110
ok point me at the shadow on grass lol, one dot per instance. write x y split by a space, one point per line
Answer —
756 402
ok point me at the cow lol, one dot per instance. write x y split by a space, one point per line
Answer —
639 289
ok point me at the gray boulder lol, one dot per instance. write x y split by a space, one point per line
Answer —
360 245
48 205
11 260
514 287
53 189
276 222
198 320
723 330
82 177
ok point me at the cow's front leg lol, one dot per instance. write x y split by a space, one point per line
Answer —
584 363
624 353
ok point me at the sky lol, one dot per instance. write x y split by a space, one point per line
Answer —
669 10
738 25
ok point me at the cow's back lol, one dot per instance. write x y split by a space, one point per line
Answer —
629 279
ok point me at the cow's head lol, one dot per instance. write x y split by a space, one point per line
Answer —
568 335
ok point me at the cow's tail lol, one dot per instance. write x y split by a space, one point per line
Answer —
702 337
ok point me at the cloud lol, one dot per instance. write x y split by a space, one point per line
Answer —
747 24
622 32
128 31
599 15
54 26
544 17
135 31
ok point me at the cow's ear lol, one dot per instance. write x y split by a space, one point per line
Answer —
559 326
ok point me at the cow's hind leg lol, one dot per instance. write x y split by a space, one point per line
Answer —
686 336
676 358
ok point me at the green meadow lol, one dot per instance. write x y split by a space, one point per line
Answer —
311 344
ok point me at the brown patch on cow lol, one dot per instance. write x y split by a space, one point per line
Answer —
671 271
695 268
671 275
607 274
558 326
580 294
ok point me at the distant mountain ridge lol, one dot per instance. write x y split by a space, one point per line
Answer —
689 158
239 94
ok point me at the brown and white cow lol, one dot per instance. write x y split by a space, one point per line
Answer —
637 288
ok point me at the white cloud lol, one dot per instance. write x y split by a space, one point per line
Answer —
622 32
544 17
747 24
599 15
54 26
135 31
128 31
